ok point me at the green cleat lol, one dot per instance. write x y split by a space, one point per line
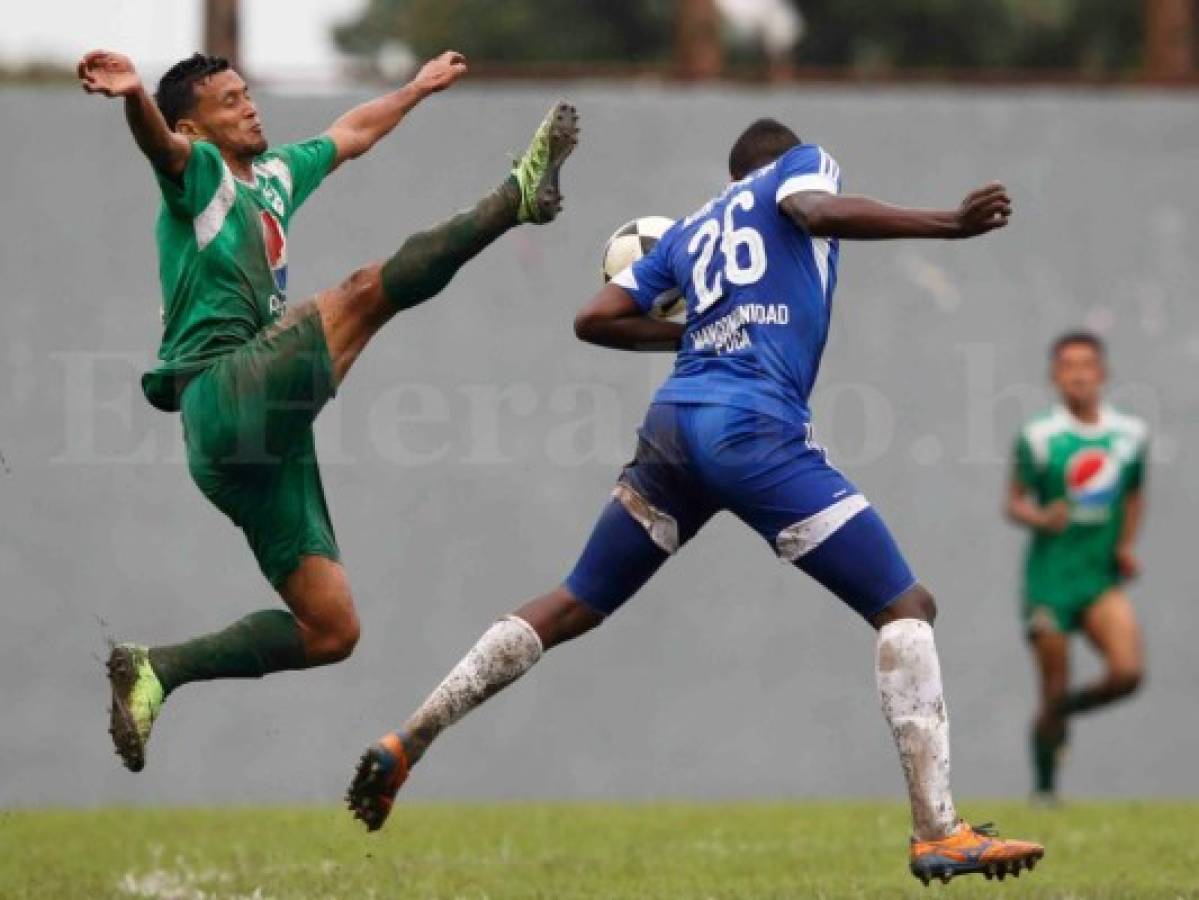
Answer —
537 171
136 699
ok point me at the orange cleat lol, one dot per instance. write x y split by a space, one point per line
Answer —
972 850
381 773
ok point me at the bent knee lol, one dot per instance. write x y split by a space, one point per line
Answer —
363 291
1127 680
345 636
336 640
915 603
928 605
363 280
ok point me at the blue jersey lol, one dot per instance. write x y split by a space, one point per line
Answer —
758 289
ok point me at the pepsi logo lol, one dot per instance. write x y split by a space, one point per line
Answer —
1092 477
274 239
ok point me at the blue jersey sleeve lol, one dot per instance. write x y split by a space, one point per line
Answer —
650 278
807 168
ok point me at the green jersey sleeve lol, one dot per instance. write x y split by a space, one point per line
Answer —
1136 468
200 182
1025 468
308 162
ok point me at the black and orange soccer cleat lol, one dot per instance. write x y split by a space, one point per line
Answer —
381 773
972 850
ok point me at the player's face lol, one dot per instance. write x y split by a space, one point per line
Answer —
225 115
1078 374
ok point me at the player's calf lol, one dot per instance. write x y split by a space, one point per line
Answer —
1116 685
427 261
507 650
558 617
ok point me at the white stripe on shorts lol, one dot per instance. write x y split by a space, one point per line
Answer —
800 539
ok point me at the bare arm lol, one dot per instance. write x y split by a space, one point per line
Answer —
1134 514
364 126
114 75
1022 509
861 218
613 319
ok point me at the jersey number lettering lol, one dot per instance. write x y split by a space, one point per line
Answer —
730 238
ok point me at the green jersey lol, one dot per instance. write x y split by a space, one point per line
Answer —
1093 467
222 255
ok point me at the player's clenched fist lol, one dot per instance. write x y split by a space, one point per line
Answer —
442 71
1055 518
110 74
983 210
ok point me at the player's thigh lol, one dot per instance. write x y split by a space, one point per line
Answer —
1112 628
655 509
279 505
351 314
777 481
251 406
853 554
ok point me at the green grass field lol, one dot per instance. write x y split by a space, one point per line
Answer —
1125 850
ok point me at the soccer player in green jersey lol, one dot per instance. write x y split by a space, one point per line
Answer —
1077 484
247 374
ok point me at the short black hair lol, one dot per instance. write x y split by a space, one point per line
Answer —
176 89
1085 338
761 143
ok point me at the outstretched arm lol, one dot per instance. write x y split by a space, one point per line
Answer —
114 75
861 218
613 319
364 126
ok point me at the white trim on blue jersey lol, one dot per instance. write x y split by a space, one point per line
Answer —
827 180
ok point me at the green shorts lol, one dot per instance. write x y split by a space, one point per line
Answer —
247 425
1063 610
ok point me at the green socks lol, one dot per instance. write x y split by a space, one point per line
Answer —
263 642
1044 762
428 260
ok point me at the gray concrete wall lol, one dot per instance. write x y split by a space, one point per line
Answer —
473 444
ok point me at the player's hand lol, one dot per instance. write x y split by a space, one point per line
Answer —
1055 517
1127 562
439 73
984 210
110 74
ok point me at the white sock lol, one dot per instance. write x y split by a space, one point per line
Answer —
909 683
507 650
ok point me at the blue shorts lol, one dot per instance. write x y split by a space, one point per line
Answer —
695 460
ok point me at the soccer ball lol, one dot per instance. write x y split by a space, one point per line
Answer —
629 243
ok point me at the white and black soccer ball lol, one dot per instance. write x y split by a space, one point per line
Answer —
629 243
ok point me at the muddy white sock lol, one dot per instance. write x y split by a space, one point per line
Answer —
507 650
909 683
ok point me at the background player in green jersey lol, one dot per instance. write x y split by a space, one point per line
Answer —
249 375
1077 484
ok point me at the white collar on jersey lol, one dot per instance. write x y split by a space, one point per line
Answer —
1086 429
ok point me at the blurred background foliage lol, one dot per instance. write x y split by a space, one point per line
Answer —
517 31
1093 36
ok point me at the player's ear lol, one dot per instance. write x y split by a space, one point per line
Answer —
188 129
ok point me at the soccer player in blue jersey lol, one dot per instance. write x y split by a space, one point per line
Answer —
730 430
